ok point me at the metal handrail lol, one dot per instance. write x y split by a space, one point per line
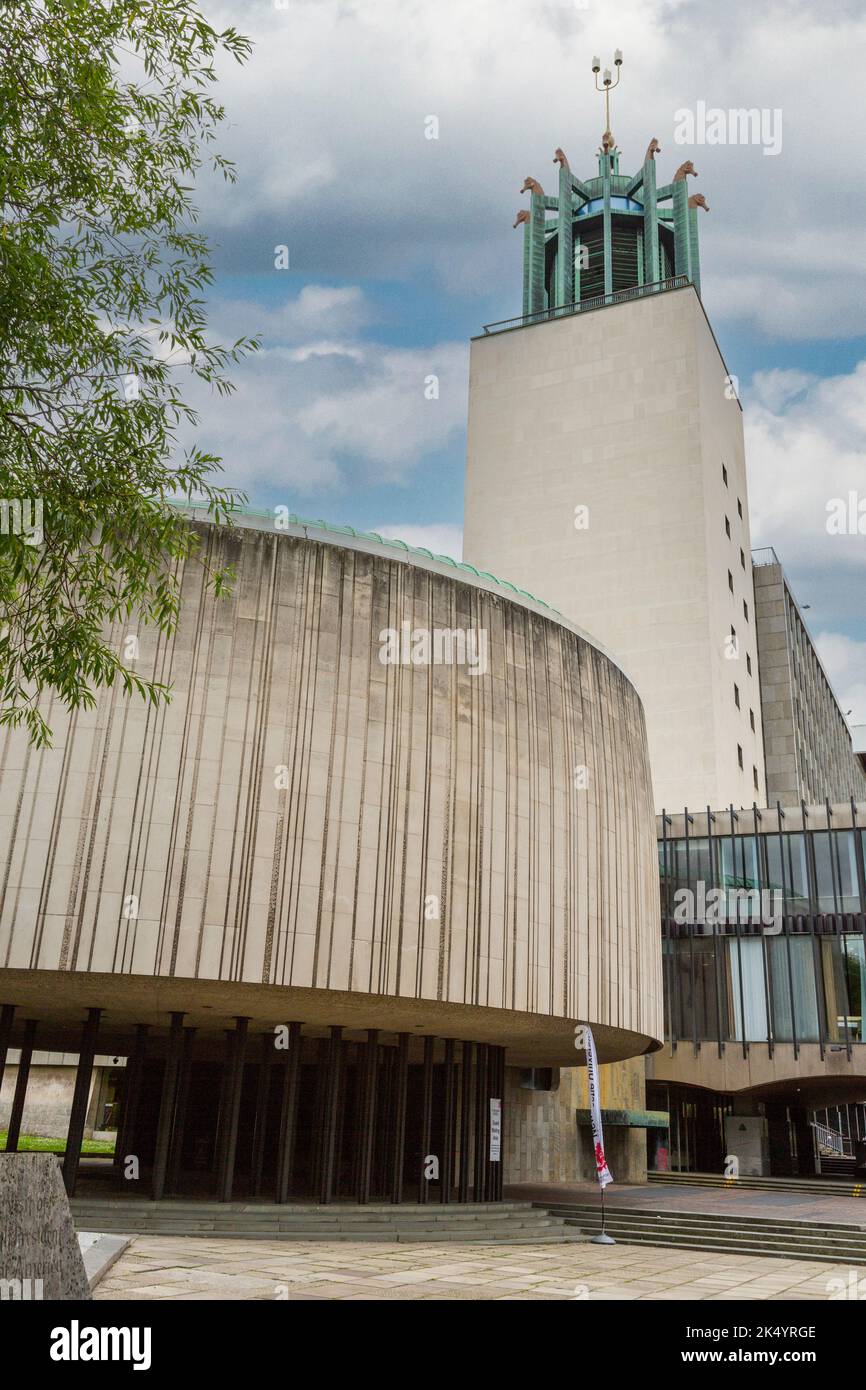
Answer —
599 301
765 555
827 1138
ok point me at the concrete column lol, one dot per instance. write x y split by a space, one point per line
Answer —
480 1173
263 1090
288 1114
235 1087
426 1117
80 1097
14 1131
330 1156
126 1135
7 1014
165 1124
175 1163
399 1117
223 1104
367 1116
465 1119
446 1172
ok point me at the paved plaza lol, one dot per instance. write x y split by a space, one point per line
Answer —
184 1267
784 1203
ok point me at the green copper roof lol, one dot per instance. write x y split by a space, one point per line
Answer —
388 542
609 233
628 1119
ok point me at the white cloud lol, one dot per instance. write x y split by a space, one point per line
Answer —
386 417
327 130
315 310
311 413
845 663
775 389
325 349
806 446
326 125
441 539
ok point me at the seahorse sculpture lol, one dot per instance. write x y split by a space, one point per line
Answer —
684 169
560 158
522 217
697 200
653 148
532 186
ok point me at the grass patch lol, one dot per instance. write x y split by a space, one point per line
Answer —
38 1143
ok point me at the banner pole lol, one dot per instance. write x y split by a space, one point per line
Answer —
583 1036
602 1238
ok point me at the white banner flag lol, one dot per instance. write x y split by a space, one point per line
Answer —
583 1040
495 1153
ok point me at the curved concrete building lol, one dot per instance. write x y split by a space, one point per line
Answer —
395 805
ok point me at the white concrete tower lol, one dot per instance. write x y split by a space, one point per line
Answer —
606 468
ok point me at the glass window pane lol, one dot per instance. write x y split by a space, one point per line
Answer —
748 996
749 862
726 863
842 960
665 890
826 896
797 874
793 975
699 864
846 870
680 858
855 971
704 1002
773 861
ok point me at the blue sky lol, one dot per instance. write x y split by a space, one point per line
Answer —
401 247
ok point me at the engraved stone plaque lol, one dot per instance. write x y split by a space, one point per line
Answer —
39 1253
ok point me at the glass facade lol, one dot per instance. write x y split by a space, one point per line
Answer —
695 1141
764 934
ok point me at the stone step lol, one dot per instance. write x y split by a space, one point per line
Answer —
745 1185
721 1219
772 1180
723 1233
541 1236
713 1178
238 1224
821 1187
513 1222
382 1238
265 1218
168 1218
336 1210
676 1240
820 1246
253 1222
333 1209
838 1169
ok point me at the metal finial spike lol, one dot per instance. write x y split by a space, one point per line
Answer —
607 85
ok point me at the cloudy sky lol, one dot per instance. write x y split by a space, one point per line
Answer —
400 247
